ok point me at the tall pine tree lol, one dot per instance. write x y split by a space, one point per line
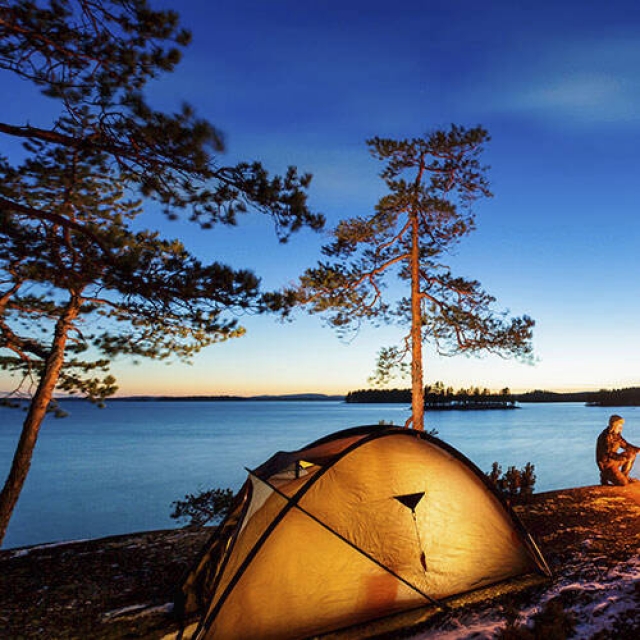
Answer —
433 183
78 285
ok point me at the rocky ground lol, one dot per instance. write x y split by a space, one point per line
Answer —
122 587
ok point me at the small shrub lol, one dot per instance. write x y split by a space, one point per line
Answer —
206 507
515 484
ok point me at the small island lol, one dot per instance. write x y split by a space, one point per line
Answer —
439 398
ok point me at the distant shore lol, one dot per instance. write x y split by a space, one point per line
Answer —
628 397
294 397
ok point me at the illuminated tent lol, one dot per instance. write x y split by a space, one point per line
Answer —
357 526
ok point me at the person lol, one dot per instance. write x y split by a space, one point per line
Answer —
613 463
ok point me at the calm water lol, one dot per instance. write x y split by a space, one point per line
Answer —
107 471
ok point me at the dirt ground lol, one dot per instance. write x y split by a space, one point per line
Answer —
122 587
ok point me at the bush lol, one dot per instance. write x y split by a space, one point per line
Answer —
515 484
206 507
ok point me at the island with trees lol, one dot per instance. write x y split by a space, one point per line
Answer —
438 398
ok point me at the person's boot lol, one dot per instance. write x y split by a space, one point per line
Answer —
619 479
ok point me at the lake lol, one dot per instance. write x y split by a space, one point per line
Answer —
116 470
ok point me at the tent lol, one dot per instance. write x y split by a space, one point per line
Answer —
359 525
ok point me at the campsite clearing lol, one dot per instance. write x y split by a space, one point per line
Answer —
120 587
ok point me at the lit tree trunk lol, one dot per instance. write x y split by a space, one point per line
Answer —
417 386
417 377
37 412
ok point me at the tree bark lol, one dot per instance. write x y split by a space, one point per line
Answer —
35 416
417 375
417 385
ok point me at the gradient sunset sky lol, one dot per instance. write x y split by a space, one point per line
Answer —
557 85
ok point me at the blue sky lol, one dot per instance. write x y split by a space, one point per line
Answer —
306 83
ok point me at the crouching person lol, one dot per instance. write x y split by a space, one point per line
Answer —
614 455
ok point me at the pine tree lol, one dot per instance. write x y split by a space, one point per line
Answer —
432 184
78 285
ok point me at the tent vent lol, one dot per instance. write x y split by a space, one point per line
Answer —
410 500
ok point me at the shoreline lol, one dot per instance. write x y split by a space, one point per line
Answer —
122 586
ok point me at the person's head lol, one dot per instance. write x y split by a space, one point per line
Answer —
615 423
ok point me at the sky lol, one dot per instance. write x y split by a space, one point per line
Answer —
307 83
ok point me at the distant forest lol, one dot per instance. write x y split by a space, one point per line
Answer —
440 397
629 397
616 398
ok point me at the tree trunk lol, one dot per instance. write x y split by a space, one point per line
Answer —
36 414
417 384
